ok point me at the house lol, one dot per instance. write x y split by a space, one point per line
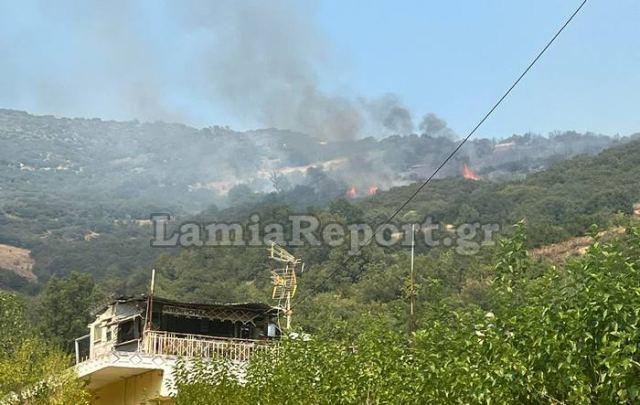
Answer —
132 347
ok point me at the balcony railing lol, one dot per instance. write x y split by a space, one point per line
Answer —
188 345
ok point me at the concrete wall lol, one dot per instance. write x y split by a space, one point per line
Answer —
135 390
104 325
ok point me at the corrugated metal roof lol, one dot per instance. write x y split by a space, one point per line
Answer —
252 306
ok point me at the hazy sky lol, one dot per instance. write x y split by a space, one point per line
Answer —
323 64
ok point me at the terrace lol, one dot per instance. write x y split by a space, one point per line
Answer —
135 336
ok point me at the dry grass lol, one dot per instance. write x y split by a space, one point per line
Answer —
17 260
558 253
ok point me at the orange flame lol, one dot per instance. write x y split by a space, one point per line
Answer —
373 190
352 192
469 174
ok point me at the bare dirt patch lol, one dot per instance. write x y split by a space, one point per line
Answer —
17 260
559 253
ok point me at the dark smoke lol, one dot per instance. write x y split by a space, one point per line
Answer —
398 120
388 115
435 126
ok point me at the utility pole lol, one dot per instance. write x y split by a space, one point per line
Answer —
412 287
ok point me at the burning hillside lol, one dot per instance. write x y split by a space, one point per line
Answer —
194 168
469 174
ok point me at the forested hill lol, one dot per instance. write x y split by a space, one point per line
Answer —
557 203
366 296
77 193
131 164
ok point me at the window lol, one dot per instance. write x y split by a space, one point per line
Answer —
97 333
204 326
128 330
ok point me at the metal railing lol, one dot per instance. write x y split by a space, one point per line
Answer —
188 345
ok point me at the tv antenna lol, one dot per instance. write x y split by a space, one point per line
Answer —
284 279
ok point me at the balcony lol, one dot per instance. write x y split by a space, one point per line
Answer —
159 343
124 354
158 351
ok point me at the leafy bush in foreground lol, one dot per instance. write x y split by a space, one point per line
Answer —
551 336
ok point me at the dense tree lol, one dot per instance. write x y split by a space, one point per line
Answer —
32 369
546 337
64 308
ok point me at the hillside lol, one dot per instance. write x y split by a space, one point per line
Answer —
173 165
16 266
76 193
557 204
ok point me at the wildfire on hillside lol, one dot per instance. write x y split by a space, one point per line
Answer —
469 174
373 190
352 192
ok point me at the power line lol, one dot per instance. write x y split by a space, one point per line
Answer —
453 153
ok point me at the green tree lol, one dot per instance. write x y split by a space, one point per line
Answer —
547 337
32 370
13 325
64 309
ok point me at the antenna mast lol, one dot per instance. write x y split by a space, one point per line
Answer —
147 323
284 279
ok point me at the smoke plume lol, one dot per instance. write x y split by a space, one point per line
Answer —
435 126
388 115
257 61
260 58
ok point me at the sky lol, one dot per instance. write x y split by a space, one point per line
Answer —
326 67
